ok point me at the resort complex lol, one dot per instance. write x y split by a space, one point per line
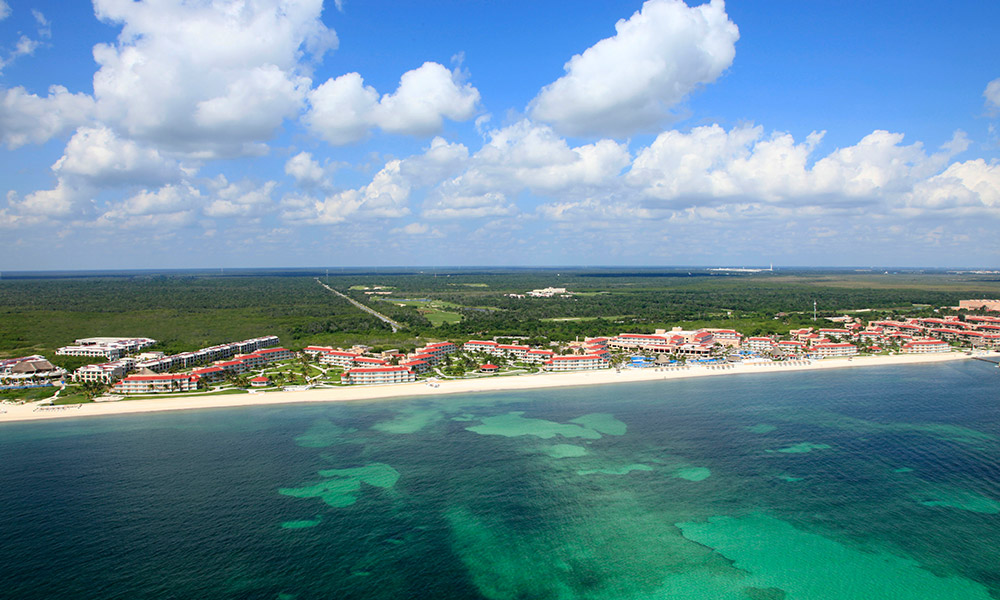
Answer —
133 368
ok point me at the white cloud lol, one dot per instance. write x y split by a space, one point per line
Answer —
98 155
59 202
967 188
210 79
4 10
344 110
523 156
425 97
387 196
992 94
305 170
629 82
709 164
457 206
417 229
26 118
388 193
167 200
240 199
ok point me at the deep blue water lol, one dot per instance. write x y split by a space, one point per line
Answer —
860 483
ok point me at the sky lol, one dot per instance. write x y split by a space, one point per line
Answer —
302 133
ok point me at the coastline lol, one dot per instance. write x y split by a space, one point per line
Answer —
27 412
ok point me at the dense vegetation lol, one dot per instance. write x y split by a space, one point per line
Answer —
186 311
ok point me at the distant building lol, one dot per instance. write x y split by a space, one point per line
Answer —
584 362
834 350
111 348
378 376
926 347
979 304
156 384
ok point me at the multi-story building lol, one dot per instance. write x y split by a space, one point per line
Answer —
758 344
582 362
338 358
157 383
111 348
482 346
834 350
926 346
378 376
106 373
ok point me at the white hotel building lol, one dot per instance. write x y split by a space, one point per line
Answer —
378 376
833 350
582 362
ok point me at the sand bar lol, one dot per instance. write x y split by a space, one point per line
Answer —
27 412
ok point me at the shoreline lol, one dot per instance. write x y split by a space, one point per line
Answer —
26 412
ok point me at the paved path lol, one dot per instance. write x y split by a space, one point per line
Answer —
395 326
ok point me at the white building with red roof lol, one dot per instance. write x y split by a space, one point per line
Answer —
378 376
582 362
926 347
157 383
834 350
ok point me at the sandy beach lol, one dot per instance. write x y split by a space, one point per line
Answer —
31 412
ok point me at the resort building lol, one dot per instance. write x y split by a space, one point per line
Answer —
210 374
759 344
790 347
28 370
515 352
584 362
489 368
338 358
834 350
106 373
111 348
156 383
438 350
417 365
378 376
536 356
483 346
314 351
926 347
727 337
979 304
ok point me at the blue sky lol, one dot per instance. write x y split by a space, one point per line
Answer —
179 133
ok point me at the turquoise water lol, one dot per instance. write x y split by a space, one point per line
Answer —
867 483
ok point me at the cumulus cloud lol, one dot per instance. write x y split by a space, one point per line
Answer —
967 188
709 163
98 155
629 82
4 10
27 118
522 156
388 193
166 200
345 110
306 171
208 79
450 204
992 95
59 202
416 229
387 196
239 199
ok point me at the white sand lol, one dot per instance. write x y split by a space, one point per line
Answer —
28 412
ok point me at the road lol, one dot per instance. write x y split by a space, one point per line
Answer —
395 326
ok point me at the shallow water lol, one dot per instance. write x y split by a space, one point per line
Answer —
862 483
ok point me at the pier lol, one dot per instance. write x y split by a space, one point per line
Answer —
992 362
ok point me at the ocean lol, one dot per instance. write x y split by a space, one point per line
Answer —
871 483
